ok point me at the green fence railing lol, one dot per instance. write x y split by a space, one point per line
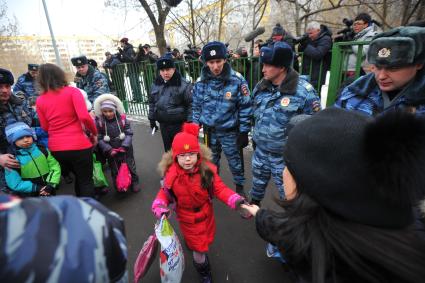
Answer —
341 73
132 82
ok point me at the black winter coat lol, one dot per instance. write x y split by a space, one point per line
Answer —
171 102
314 51
127 55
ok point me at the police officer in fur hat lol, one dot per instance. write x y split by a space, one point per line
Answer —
398 75
170 100
89 78
222 105
12 109
26 83
279 96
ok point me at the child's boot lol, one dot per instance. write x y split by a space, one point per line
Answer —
204 270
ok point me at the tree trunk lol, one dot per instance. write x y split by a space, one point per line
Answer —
220 20
192 17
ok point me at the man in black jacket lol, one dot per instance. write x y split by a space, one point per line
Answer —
170 100
316 58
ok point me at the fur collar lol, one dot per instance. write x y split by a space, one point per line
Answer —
13 100
288 86
176 80
413 92
167 159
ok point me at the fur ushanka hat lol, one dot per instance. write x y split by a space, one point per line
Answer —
365 170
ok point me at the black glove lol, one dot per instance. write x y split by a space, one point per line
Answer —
242 140
153 125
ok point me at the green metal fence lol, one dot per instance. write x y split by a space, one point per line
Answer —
340 74
132 82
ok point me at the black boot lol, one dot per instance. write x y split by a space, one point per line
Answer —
240 191
204 270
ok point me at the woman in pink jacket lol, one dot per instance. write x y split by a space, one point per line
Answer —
63 114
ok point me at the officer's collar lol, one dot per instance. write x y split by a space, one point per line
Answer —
13 100
288 86
225 75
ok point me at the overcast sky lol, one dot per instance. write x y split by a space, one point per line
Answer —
77 17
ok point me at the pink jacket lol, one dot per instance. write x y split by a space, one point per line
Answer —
63 115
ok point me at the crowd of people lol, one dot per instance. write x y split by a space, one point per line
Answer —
349 178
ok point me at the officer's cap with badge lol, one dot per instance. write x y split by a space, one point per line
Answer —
280 55
6 77
399 47
33 67
214 50
165 61
79 61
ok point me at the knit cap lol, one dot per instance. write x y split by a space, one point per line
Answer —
364 170
108 104
18 130
187 140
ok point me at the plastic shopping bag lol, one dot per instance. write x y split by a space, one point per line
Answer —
145 258
99 178
123 178
171 258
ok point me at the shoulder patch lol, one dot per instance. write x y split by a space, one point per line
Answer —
239 75
308 86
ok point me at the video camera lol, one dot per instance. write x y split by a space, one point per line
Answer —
192 53
347 34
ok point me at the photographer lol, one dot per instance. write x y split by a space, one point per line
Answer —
316 58
364 29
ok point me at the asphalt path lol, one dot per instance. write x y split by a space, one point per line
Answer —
237 254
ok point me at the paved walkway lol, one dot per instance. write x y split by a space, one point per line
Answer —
237 254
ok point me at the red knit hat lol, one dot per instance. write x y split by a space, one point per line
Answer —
187 140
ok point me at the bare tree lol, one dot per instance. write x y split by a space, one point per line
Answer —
8 26
157 14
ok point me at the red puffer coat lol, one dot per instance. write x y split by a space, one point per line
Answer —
194 207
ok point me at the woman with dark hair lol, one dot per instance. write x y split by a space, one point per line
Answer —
63 114
352 186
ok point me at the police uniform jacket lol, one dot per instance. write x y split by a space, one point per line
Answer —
60 239
94 83
365 95
26 84
171 102
16 110
275 106
222 102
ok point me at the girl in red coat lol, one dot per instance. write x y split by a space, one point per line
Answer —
191 181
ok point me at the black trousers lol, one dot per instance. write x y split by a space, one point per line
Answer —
80 162
168 131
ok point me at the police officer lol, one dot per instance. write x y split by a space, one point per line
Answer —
12 109
279 96
398 76
26 82
170 100
222 105
89 79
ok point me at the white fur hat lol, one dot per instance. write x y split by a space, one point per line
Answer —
107 96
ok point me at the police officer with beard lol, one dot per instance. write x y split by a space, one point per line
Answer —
89 79
222 105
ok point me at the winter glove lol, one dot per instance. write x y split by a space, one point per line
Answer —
113 152
159 208
46 190
122 149
234 201
153 125
242 140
